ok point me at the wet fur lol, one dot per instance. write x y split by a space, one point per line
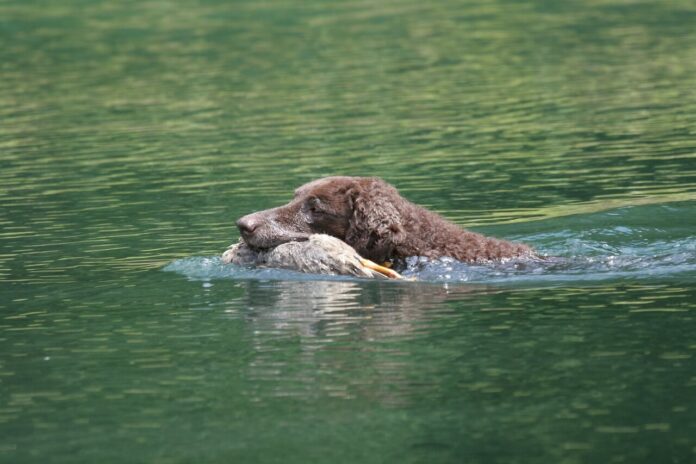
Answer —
372 217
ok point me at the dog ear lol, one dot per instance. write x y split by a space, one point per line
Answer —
375 227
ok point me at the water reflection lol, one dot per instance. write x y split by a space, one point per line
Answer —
333 309
337 339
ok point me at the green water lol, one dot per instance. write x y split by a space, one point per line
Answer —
134 133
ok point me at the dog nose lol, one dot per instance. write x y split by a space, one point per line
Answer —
248 224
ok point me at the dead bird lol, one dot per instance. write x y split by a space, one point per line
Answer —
319 254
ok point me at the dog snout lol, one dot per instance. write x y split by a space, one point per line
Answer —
248 224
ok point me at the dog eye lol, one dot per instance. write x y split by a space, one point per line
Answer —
313 205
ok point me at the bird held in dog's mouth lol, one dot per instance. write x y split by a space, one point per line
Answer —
317 254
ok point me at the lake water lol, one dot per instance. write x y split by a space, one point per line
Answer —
133 134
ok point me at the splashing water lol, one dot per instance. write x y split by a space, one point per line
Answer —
607 245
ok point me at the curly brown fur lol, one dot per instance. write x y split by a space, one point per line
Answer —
371 216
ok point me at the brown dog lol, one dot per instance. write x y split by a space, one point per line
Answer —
371 216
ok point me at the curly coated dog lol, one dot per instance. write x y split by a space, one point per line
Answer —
371 216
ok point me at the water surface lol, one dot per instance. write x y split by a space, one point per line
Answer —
133 134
